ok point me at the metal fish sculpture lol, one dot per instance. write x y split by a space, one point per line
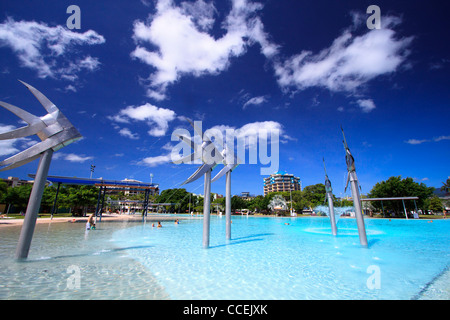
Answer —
54 129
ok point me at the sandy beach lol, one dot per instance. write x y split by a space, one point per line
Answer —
8 222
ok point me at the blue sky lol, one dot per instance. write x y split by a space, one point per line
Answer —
134 70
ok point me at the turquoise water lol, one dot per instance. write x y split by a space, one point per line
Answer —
266 259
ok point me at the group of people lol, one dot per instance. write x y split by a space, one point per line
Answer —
90 224
160 226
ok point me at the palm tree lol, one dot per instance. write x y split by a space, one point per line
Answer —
277 202
446 185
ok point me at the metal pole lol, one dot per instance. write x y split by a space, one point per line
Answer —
332 216
98 202
228 206
56 199
290 194
206 209
147 198
34 203
357 207
404 209
103 202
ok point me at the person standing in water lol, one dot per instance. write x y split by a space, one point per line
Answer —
90 224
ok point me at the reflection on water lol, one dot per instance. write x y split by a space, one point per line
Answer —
105 269
267 258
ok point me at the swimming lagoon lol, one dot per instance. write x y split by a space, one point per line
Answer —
267 258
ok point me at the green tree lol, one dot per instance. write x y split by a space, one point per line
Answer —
48 198
446 185
343 203
3 191
314 194
435 204
218 204
18 196
178 196
77 197
265 202
300 204
398 187
238 203
256 204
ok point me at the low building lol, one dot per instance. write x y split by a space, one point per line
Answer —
15 182
281 182
245 195
135 191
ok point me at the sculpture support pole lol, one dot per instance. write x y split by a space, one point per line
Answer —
103 202
332 216
98 202
55 201
357 207
206 208
228 205
34 203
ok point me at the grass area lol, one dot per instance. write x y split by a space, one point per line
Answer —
431 216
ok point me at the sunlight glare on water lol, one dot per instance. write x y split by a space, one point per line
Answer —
267 258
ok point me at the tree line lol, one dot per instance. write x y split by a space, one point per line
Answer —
78 198
74 198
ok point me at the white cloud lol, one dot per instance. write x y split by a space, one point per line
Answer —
248 135
155 161
157 118
416 141
71 157
366 105
12 146
168 146
70 72
181 44
252 129
77 158
350 61
441 138
118 118
184 45
201 13
125 132
250 132
7 147
255 101
70 88
45 49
